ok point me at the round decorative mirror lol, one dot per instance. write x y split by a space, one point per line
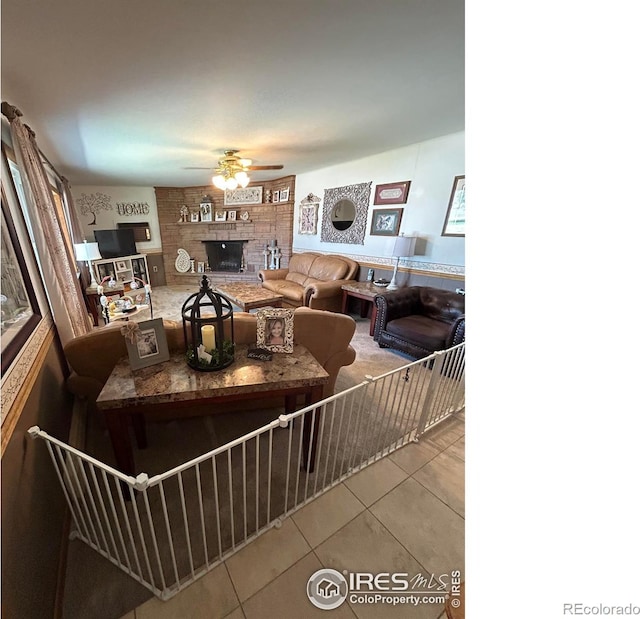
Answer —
343 214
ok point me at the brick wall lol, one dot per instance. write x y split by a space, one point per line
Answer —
266 222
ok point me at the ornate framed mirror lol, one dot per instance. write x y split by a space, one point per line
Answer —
344 217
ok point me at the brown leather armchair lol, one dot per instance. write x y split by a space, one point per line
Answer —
419 320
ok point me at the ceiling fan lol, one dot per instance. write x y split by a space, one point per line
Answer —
231 171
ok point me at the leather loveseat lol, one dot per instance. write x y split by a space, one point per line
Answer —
419 320
92 356
312 280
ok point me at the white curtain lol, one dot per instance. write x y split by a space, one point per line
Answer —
58 266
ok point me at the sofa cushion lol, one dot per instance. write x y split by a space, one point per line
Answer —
288 289
421 330
298 278
328 268
301 263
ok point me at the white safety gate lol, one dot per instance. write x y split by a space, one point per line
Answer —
168 530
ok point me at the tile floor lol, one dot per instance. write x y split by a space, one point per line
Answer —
405 513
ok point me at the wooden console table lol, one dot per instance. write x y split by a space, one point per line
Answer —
366 292
128 397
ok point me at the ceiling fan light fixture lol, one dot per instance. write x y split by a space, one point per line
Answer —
242 178
219 181
232 183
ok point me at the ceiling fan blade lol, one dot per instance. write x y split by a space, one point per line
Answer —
192 168
265 167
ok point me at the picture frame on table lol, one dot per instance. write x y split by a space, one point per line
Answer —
148 346
232 215
276 196
392 193
195 217
386 222
455 219
275 330
220 216
284 195
200 267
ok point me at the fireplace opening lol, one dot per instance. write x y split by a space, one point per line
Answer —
225 255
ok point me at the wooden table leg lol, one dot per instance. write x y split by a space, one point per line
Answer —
309 440
345 299
118 425
374 314
140 430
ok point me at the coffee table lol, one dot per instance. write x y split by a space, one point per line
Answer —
128 397
249 296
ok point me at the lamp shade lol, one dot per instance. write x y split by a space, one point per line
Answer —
87 251
404 246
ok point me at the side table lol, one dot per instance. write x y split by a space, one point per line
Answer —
365 291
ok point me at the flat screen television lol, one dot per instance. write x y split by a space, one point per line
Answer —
116 243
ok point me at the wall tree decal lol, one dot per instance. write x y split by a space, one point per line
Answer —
93 204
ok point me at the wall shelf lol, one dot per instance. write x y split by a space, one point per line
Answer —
213 223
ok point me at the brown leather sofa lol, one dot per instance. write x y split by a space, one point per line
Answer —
92 356
419 320
312 280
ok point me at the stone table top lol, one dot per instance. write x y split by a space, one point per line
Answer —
175 381
364 288
248 295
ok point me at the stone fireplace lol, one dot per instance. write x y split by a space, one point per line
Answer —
225 256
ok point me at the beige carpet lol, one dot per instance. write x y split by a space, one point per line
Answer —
95 588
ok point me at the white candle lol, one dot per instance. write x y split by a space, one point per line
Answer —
208 337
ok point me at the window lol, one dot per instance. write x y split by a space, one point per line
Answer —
19 307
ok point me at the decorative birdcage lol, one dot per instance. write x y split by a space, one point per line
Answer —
207 323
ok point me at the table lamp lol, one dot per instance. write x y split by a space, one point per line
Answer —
88 252
403 247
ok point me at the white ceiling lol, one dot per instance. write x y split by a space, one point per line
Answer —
132 92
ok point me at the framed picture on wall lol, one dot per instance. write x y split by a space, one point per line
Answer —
392 193
454 221
308 218
386 222
284 195
221 216
231 215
